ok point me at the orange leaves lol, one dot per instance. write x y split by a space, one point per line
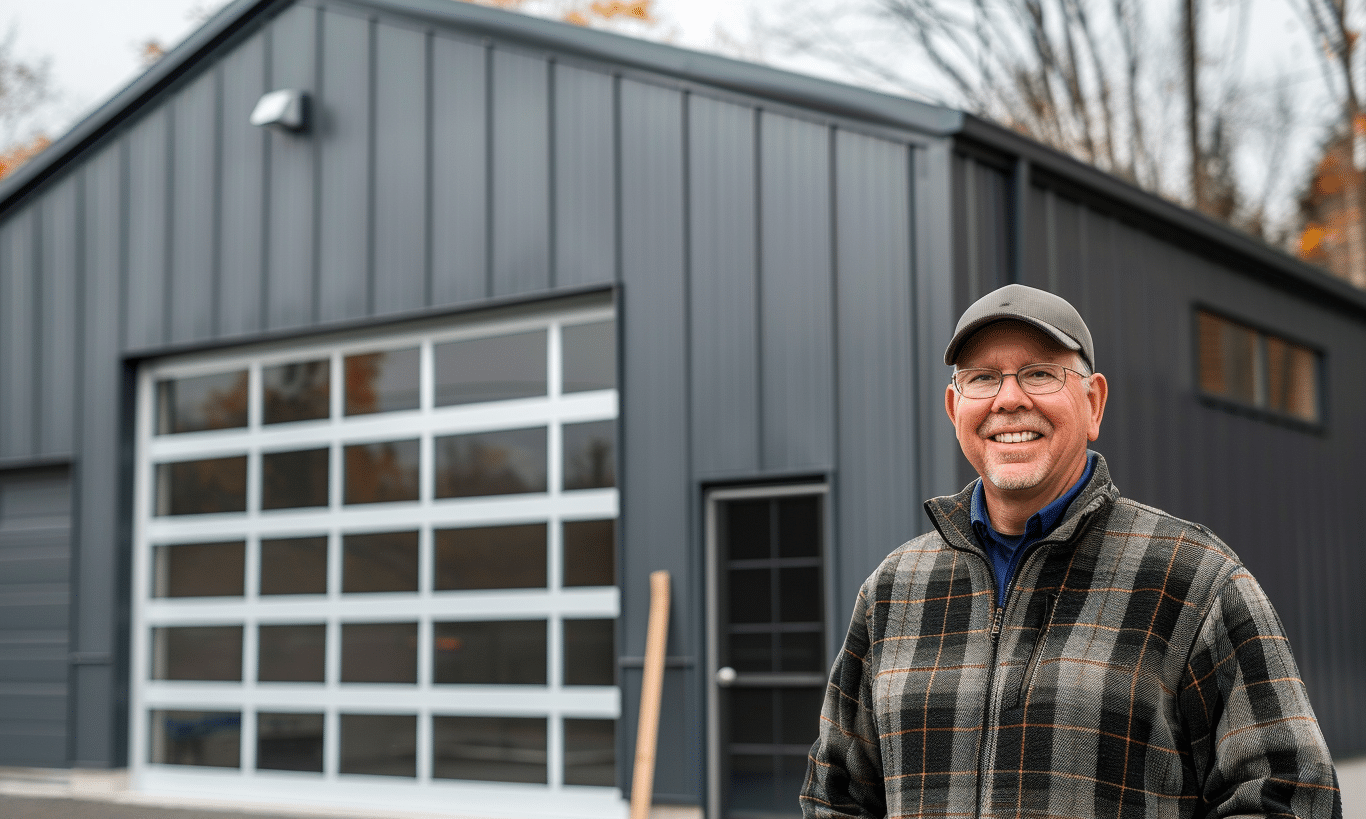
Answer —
639 9
17 155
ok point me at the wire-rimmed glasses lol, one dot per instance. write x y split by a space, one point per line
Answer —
1034 379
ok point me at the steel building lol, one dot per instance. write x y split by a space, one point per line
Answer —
335 451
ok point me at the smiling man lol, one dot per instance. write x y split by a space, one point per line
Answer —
1053 649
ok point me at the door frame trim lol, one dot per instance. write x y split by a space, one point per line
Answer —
712 496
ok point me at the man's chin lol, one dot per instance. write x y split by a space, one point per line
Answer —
1009 480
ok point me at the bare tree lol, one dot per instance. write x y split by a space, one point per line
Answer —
1094 78
25 88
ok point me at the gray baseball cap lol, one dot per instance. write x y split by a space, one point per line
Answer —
1016 302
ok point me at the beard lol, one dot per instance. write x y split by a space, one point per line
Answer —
1009 479
1017 474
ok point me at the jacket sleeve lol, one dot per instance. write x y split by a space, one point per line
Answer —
844 769
1256 747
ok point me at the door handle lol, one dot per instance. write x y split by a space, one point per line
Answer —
725 677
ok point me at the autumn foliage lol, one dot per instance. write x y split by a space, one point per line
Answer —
16 155
579 12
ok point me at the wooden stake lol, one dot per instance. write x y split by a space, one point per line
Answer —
651 692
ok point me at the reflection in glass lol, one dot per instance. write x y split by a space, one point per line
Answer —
1291 373
589 655
1228 359
491 557
382 382
208 738
497 652
501 462
379 653
289 742
590 553
197 653
291 653
216 401
294 479
379 562
202 487
295 565
490 369
590 455
750 651
590 356
199 569
379 744
590 752
376 473
296 392
489 749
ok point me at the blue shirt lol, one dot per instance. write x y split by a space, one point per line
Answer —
1005 551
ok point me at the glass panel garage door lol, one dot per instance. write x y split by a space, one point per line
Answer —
383 570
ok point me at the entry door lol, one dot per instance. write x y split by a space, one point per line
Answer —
767 652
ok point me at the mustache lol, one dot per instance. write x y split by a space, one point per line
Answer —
1028 420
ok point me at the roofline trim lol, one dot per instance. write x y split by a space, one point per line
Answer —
1199 226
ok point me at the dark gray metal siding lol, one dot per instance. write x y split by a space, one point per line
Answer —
1281 496
763 256
35 562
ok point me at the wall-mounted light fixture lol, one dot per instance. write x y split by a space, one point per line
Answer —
286 110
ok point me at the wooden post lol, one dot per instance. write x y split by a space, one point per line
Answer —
651 691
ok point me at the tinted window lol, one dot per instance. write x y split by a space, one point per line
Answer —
382 382
500 462
199 569
490 369
202 487
590 360
491 557
202 402
296 392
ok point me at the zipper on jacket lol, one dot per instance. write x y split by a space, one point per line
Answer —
1039 641
988 733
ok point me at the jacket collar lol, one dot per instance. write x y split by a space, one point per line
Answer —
952 514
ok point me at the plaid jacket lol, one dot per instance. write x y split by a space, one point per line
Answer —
1137 670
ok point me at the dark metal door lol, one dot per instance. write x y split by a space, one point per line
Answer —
767 645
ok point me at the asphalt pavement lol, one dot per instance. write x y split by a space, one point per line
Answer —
32 807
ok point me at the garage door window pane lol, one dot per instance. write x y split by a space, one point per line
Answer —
382 382
490 369
489 749
202 402
296 392
491 557
199 569
206 738
197 653
590 752
590 553
291 480
590 455
202 487
589 655
289 742
379 744
378 473
291 653
500 462
379 653
590 360
499 652
296 565
379 562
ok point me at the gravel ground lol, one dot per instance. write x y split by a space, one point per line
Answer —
27 807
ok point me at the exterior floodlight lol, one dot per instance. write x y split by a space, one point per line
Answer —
286 109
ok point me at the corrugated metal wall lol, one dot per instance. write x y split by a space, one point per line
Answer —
764 260
1284 498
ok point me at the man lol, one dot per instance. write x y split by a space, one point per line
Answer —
1053 649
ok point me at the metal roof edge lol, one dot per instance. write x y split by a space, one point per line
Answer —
1267 260
758 80
127 101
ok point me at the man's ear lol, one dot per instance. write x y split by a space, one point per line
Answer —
951 404
1096 396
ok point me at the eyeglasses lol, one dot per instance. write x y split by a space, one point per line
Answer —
1034 379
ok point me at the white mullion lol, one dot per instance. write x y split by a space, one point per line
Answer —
140 636
554 758
424 745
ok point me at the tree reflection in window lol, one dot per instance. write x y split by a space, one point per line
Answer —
376 473
296 392
203 402
590 455
382 382
499 462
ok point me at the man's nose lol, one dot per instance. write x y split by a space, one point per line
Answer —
1011 397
